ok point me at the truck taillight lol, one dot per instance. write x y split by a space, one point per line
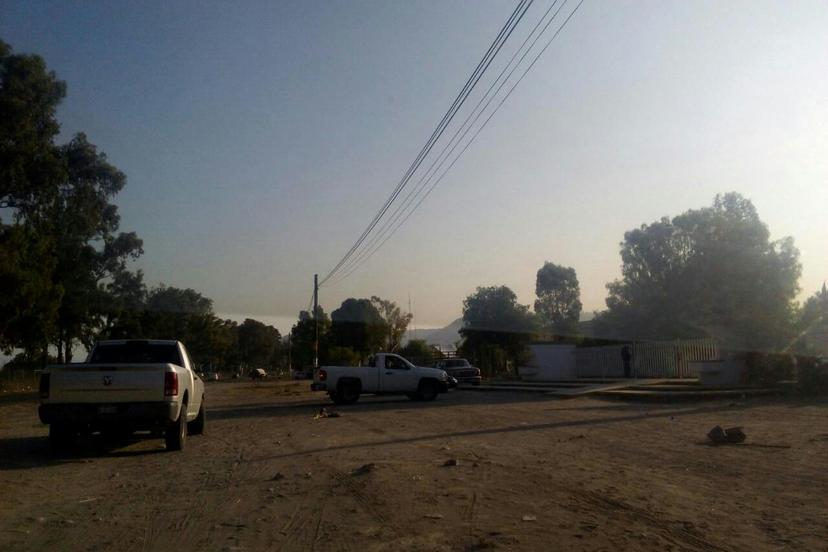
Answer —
44 386
170 384
323 375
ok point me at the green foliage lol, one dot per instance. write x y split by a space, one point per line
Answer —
558 305
419 352
60 201
358 324
29 161
395 322
812 324
260 345
708 272
496 328
303 336
813 376
343 356
768 368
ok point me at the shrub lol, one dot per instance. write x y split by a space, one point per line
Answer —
813 376
768 368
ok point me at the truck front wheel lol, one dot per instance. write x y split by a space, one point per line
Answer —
175 435
196 427
428 390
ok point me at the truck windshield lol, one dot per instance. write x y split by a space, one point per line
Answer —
136 352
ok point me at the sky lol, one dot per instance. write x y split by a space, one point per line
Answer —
259 139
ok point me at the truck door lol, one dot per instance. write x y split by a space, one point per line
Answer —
398 375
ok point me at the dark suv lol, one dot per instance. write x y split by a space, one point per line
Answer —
461 370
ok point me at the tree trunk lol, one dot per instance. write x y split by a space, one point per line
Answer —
68 354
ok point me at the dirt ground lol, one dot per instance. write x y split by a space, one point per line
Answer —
532 473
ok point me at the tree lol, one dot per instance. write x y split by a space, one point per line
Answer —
418 351
259 344
60 200
303 338
496 327
29 167
558 305
395 322
29 161
708 272
812 325
358 324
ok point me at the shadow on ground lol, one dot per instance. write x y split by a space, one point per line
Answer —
18 453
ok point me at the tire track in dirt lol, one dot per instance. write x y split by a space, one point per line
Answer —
669 530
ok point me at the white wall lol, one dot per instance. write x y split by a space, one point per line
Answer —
550 362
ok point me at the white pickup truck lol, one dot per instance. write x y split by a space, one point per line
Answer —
386 374
125 386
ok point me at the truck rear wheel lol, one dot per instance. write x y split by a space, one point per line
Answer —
175 435
61 437
347 392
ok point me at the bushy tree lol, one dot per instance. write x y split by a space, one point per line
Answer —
394 320
259 344
812 324
708 272
493 319
59 199
558 305
303 336
418 351
358 324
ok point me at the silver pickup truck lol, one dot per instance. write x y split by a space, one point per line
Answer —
125 386
386 374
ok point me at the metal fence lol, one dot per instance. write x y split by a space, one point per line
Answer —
660 359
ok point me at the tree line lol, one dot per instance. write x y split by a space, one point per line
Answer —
710 272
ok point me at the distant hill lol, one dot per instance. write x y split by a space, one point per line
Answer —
446 336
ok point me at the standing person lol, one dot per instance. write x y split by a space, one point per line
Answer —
626 356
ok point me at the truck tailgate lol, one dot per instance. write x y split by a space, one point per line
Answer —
107 383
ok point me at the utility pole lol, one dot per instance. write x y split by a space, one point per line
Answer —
316 321
411 323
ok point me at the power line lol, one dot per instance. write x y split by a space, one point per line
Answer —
365 259
427 177
471 82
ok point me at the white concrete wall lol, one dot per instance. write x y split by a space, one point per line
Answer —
550 362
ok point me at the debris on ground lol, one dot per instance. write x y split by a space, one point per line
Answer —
451 462
364 469
278 477
324 413
433 516
529 517
731 435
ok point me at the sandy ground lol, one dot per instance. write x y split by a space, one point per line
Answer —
532 474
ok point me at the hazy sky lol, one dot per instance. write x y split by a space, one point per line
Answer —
260 138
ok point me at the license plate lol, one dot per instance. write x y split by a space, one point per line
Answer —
107 410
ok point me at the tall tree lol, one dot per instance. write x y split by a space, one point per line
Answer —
258 343
30 163
495 325
303 338
558 305
707 272
59 198
358 324
812 325
395 322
